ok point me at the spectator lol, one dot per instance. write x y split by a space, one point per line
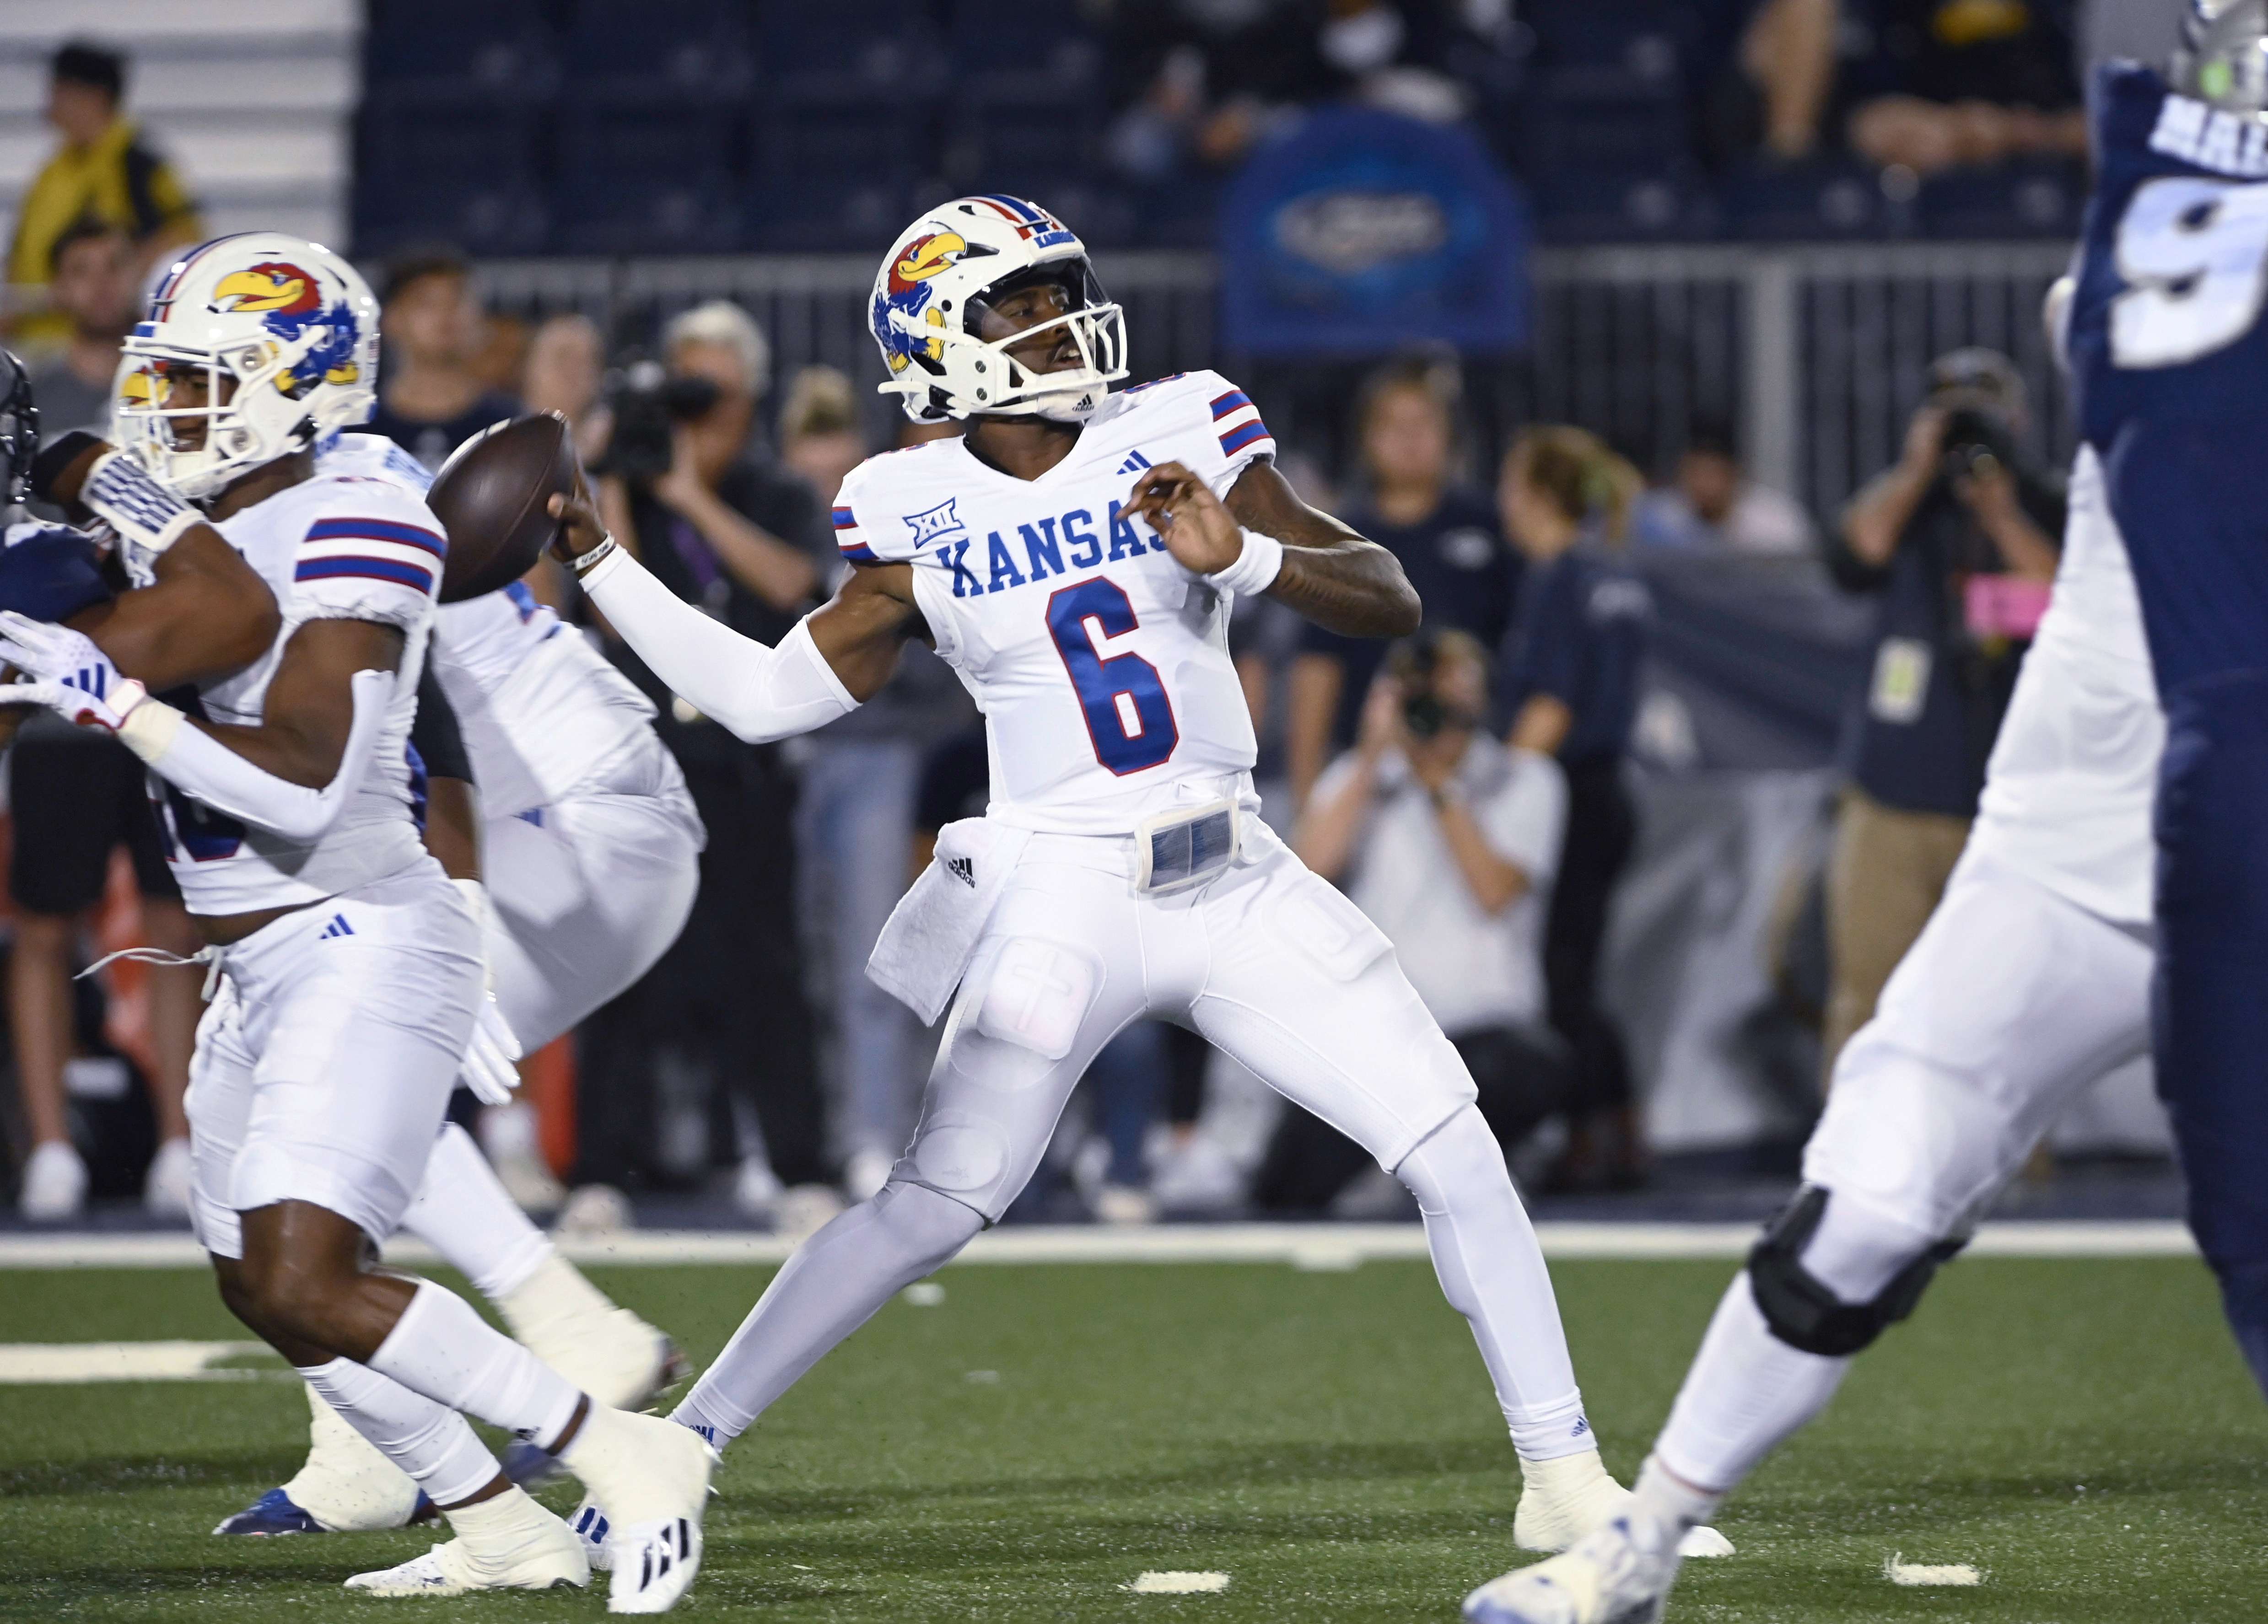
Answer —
1957 541
1712 507
1571 687
692 491
106 170
1973 84
1766 84
566 372
818 430
431 398
1447 840
93 288
860 781
1444 533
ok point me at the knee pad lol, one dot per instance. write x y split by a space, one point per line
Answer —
1803 1311
928 1227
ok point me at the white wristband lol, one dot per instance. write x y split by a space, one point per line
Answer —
1254 569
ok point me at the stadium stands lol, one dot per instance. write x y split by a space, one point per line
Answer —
251 98
692 126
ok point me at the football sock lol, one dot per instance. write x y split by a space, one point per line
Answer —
347 1482
1491 1270
829 1288
1677 1506
442 1349
431 1442
462 1211
1749 1392
546 1305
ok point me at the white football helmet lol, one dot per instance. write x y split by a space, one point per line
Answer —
285 335
933 288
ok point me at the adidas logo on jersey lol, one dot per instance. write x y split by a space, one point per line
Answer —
337 927
1134 464
962 869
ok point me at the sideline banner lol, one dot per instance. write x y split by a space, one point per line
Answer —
1363 233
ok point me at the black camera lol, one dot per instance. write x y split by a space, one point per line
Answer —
1972 438
648 402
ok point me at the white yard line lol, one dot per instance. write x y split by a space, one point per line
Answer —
1320 1247
74 1362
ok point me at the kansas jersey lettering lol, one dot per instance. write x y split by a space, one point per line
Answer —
341 545
1101 665
2171 364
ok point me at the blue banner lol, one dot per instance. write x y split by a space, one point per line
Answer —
1363 233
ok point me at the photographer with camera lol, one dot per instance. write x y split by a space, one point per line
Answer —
687 485
1958 541
1448 841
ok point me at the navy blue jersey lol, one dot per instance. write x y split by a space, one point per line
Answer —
2170 357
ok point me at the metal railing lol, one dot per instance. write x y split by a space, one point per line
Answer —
1816 354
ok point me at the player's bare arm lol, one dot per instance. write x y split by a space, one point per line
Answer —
862 627
1330 574
302 737
207 613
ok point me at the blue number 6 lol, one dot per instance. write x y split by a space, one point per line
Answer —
1128 714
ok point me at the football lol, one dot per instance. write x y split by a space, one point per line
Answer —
493 497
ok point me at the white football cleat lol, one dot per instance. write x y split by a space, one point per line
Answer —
521 1548
1563 1500
651 1476
607 1352
1619 1574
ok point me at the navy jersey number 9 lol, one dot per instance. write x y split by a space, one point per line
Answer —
1128 714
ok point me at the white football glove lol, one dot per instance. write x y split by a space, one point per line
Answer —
148 515
491 1064
69 674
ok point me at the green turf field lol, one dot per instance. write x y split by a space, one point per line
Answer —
2081 1430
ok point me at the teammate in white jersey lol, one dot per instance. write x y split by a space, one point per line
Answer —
1074 557
582 865
296 604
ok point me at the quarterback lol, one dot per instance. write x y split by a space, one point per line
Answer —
287 610
2034 977
1074 557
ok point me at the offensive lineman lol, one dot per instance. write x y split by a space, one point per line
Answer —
1074 557
297 605
589 850
2033 978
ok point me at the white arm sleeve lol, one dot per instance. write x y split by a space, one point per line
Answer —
758 694
224 780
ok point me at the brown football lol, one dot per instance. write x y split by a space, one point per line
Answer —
494 498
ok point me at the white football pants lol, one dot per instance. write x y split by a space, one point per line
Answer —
588 895
1276 968
2011 1002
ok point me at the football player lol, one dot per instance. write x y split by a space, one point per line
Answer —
291 609
582 868
2033 978
1074 557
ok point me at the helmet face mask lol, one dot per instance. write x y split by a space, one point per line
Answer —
283 336
19 431
957 266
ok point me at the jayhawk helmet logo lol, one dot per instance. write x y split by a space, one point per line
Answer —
906 292
291 300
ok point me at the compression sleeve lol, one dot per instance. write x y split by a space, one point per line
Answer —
758 694
195 761
435 736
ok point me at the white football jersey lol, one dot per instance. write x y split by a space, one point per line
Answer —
341 545
2073 778
1102 666
542 712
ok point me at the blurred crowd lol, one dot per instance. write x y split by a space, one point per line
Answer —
1470 787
